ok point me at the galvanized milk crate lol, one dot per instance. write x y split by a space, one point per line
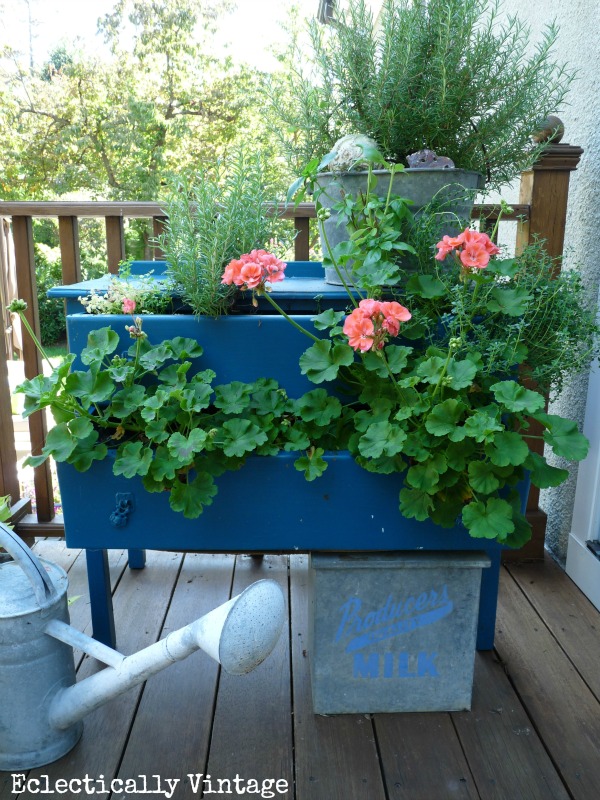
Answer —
394 631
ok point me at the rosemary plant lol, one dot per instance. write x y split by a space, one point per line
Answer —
448 75
224 212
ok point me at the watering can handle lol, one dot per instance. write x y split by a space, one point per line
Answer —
43 587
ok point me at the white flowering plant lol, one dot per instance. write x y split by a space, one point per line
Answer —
141 294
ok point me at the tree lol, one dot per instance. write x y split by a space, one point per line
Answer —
115 128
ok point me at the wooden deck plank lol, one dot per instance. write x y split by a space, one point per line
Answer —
533 734
504 752
171 733
572 619
252 731
336 757
140 602
422 758
565 712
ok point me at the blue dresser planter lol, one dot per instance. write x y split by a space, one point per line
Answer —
347 509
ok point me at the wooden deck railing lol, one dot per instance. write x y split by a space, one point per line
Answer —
541 212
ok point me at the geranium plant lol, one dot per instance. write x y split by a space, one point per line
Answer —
434 378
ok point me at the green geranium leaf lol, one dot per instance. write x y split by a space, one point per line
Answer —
233 398
156 430
155 357
543 475
121 372
430 371
444 417
182 348
397 357
190 498
196 398
490 520
482 427
133 458
374 362
90 387
87 451
381 438
100 344
427 286
60 442
378 412
507 267
507 448
322 361
317 406
312 464
151 406
426 476
127 401
384 465
328 319
241 436
36 390
512 302
521 534
458 454
269 401
482 477
80 427
164 466
563 437
185 447
517 398
174 375
415 504
462 373
297 439
417 446
379 272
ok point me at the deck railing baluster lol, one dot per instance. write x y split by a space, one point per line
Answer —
27 290
68 235
115 243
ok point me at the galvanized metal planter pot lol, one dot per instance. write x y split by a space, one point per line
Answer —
453 189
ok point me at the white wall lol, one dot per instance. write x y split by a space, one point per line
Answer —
579 22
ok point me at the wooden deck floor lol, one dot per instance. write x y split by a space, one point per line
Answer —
533 732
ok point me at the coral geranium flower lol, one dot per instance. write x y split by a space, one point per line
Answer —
359 329
475 255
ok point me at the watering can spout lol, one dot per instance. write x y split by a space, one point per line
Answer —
239 634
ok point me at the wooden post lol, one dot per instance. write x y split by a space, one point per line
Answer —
545 188
9 480
115 243
158 228
26 285
68 234
302 240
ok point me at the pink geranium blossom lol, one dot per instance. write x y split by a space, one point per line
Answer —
359 329
369 325
472 248
128 306
474 255
253 270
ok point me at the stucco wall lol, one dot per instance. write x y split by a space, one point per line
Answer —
579 22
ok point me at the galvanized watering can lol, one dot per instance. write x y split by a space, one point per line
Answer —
41 705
